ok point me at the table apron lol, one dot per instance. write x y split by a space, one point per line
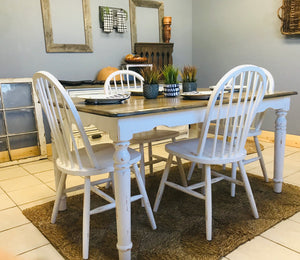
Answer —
282 103
122 128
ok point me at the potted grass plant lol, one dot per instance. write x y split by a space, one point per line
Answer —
171 88
151 77
188 76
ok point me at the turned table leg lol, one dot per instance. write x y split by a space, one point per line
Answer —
280 132
122 197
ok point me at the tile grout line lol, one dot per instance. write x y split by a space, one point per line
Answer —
279 243
22 204
35 249
24 224
298 222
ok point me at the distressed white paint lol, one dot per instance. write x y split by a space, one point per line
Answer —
121 130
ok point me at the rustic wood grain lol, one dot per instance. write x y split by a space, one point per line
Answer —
132 11
158 54
138 105
48 32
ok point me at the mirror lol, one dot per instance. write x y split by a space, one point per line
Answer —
140 18
62 27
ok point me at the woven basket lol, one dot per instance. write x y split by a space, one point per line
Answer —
289 14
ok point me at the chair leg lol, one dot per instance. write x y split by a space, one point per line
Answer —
57 174
233 175
191 170
110 183
142 161
181 171
261 159
162 183
59 193
150 157
208 202
145 198
86 217
248 189
202 190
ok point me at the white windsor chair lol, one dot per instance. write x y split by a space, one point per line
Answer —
127 80
254 131
211 149
87 161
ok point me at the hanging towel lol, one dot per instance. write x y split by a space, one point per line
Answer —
115 12
108 21
121 21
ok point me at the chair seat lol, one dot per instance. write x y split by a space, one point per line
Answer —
105 152
187 149
153 135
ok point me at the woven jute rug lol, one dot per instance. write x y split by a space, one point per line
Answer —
180 221
250 146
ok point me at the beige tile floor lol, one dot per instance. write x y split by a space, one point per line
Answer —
30 184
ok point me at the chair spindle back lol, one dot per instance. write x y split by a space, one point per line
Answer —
231 114
123 81
62 114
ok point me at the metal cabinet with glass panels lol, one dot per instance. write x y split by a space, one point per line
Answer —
22 133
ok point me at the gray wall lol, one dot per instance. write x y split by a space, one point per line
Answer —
216 37
229 33
22 47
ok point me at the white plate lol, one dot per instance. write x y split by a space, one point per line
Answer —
104 99
75 92
200 95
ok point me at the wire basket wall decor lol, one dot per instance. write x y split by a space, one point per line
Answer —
289 14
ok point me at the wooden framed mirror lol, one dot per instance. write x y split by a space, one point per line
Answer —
84 18
158 16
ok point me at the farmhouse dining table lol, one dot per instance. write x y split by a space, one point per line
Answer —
138 114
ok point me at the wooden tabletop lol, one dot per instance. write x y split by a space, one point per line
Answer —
138 105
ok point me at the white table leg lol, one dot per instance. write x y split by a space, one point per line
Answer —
122 197
280 132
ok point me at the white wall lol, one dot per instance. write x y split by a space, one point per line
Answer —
22 47
228 33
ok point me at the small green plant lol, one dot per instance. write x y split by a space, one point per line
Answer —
151 76
188 74
170 74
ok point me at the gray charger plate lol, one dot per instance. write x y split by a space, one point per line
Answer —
196 95
103 99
